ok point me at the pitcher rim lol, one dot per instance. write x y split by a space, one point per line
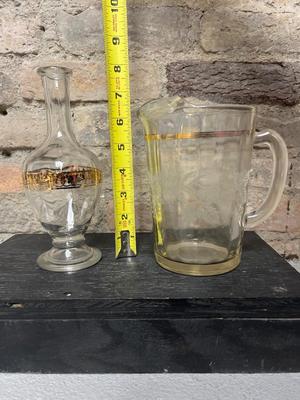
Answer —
215 106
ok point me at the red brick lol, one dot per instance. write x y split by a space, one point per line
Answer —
10 178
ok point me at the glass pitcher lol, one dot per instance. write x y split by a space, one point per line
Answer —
199 159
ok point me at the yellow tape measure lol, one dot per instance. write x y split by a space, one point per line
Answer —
118 88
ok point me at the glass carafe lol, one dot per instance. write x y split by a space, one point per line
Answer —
199 160
62 181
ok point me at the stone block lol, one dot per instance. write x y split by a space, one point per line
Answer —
199 4
91 125
16 215
284 120
143 213
149 28
156 28
13 158
77 6
250 33
294 213
278 221
292 249
142 186
261 172
81 34
145 80
88 82
104 160
8 92
18 34
239 82
27 129
295 173
255 6
22 128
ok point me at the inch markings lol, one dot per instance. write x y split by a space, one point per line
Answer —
118 88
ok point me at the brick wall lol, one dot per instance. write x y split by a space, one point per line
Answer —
176 46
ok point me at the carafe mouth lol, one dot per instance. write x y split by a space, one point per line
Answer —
54 72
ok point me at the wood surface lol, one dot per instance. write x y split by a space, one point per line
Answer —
130 315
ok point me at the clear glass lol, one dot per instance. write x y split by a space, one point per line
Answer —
62 181
199 159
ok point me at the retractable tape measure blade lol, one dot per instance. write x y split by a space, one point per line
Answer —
118 89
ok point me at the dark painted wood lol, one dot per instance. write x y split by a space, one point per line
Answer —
132 316
150 346
262 273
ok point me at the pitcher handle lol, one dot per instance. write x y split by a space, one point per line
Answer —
280 170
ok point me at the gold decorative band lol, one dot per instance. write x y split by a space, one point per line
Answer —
70 177
194 135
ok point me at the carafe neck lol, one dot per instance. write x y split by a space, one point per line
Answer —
56 87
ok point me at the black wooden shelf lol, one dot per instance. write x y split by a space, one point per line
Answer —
129 315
